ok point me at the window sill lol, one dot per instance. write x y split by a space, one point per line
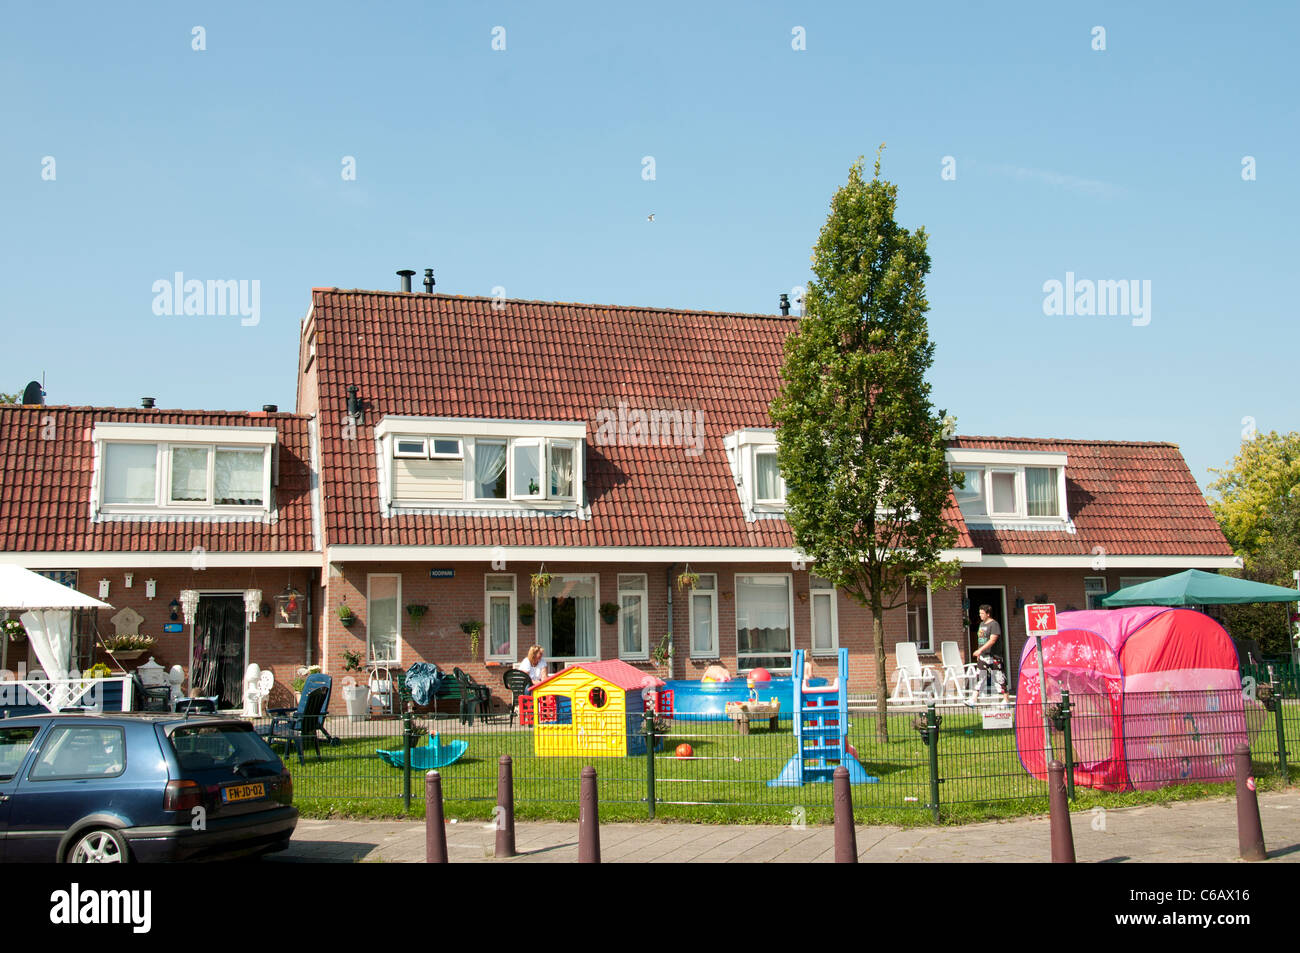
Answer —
117 509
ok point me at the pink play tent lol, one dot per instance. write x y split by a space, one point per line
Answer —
1155 694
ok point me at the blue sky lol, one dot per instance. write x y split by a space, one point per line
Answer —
522 168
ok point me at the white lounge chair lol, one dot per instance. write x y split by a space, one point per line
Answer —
961 677
913 682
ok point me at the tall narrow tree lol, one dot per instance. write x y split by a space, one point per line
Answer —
859 444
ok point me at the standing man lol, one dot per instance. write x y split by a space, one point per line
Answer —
989 655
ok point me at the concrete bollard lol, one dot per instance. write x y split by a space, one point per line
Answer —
505 825
846 836
588 818
1250 835
1058 803
435 833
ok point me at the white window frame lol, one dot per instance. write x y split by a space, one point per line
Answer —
926 648
370 577
1126 581
789 591
400 454
594 578
975 484
1089 593
715 649
542 478
572 447
1018 489
434 454
644 593
187 438
488 596
821 589
1017 462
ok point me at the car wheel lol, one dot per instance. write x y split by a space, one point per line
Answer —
99 847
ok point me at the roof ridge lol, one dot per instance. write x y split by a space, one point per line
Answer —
559 304
1073 440
91 408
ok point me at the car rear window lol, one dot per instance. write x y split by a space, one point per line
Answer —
81 751
199 747
14 743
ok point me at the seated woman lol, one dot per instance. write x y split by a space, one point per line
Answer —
717 672
533 663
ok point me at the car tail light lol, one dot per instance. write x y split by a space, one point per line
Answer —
182 796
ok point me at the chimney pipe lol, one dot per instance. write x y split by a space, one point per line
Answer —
354 403
147 403
785 304
270 409
428 281
406 274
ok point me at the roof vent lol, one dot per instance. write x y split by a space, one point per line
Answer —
406 274
428 281
270 409
785 305
147 402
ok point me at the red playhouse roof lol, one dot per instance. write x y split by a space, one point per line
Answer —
614 671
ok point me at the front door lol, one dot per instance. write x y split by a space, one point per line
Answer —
994 596
218 664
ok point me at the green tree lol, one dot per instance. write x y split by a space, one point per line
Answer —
1259 511
10 398
858 442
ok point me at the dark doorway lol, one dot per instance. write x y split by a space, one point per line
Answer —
218 666
996 597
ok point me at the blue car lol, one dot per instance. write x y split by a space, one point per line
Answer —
89 788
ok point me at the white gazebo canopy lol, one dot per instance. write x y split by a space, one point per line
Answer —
21 589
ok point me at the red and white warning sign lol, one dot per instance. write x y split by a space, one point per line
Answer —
1040 619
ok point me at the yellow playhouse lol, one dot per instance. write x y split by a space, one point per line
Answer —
591 709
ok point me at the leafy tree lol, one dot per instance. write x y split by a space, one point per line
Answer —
859 444
1259 511
10 398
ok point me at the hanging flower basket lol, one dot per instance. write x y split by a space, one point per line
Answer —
526 613
472 628
688 579
609 612
14 629
346 615
126 648
539 580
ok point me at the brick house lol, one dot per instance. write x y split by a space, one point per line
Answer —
156 502
466 442
444 449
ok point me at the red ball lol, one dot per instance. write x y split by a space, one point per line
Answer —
760 675
685 751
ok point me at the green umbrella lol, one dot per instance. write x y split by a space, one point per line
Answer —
1195 588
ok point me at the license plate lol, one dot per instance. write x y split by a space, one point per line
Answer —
243 792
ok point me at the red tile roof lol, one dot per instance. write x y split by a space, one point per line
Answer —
437 355
1128 498
45 486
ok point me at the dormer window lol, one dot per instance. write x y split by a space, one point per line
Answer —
493 464
171 468
1010 485
769 486
752 456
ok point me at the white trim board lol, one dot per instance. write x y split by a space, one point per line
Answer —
593 554
183 433
144 560
1153 561
469 426
1014 458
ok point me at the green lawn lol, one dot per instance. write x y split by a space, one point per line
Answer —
725 780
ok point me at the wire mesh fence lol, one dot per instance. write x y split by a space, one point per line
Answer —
947 760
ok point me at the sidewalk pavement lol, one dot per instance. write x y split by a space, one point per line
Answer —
1181 832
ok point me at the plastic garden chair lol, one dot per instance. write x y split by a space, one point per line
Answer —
519 684
296 728
475 699
912 681
310 684
962 676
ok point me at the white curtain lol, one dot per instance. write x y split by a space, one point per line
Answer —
129 472
583 594
238 477
489 462
585 625
49 632
190 474
561 471
1040 482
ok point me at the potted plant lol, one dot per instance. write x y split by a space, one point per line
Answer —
609 612
526 613
124 648
346 615
539 580
687 578
662 653
416 611
472 628
14 629
98 670
355 697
